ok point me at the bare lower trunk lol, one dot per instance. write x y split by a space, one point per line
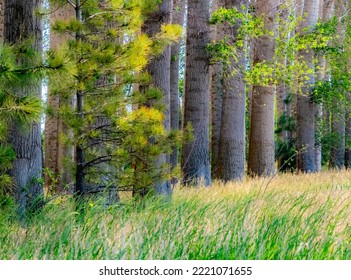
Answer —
262 146
196 154
231 161
306 109
21 22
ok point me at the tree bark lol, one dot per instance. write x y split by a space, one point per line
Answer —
2 6
306 109
262 146
159 70
196 154
178 18
216 87
231 161
20 23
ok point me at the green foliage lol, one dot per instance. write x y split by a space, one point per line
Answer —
121 138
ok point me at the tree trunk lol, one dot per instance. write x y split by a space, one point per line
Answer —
306 109
20 23
196 154
59 177
2 21
159 70
348 134
326 11
178 18
337 153
262 146
216 87
231 161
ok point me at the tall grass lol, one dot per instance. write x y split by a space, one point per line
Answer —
289 217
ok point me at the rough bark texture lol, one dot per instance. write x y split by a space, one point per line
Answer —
20 23
1 21
196 154
177 18
306 109
261 147
55 151
159 70
216 95
231 161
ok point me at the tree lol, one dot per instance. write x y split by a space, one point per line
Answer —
21 111
216 94
178 18
57 174
196 153
261 147
116 148
232 145
337 153
22 23
306 109
160 71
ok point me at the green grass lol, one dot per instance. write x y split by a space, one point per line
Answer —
291 217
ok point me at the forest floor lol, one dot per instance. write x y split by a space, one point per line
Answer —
286 217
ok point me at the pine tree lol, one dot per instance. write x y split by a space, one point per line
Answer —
116 148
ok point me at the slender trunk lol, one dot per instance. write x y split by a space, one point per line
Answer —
337 153
231 161
159 70
2 21
20 23
178 18
196 154
262 146
80 153
306 109
348 134
216 95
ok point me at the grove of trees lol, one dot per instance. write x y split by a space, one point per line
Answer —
144 95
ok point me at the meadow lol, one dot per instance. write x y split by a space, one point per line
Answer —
288 217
